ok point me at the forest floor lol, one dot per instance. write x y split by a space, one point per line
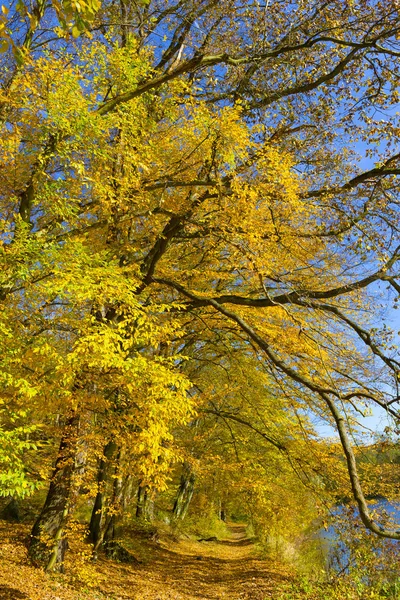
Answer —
167 569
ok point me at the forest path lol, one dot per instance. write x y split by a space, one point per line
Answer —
188 570
169 569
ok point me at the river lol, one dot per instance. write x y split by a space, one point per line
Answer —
346 542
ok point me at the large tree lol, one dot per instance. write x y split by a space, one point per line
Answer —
181 174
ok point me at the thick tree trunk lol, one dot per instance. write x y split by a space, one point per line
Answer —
185 493
149 507
128 489
48 541
110 532
97 518
141 501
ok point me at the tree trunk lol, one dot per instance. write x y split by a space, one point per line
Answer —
97 518
115 511
149 507
141 501
222 514
128 492
145 504
48 542
11 511
185 493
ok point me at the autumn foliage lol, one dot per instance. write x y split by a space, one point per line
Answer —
195 261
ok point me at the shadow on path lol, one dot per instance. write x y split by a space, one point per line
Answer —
189 570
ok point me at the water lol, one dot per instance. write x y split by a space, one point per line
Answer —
348 544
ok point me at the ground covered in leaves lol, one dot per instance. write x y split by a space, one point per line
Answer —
167 569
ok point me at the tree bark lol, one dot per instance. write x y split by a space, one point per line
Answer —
115 511
141 501
128 492
48 542
185 493
222 511
97 518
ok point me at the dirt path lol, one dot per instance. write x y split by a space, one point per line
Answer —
190 570
168 570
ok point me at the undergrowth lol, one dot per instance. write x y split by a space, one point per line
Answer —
205 526
347 588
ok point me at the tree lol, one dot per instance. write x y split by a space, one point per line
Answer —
254 452
163 186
